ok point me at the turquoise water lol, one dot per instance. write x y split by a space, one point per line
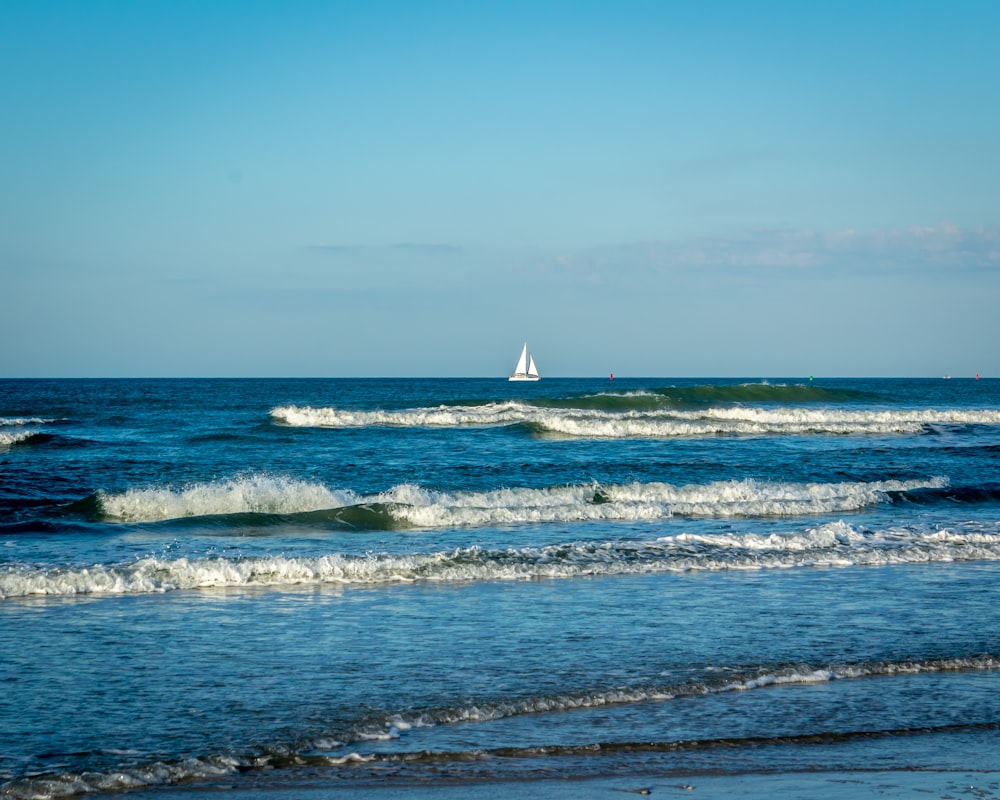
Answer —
248 582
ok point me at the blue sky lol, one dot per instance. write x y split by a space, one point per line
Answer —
758 189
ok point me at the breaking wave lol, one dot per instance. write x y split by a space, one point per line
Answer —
409 505
254 494
835 544
8 421
11 438
20 434
639 418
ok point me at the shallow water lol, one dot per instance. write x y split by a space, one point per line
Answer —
363 581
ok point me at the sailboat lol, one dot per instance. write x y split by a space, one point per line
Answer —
525 369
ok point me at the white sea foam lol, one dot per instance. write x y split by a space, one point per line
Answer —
836 544
251 494
418 507
638 501
801 675
130 776
10 438
593 423
25 421
490 414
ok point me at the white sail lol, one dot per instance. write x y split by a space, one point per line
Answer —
522 362
525 369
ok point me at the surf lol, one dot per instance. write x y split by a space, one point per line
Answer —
639 417
830 545
357 747
252 494
9 439
18 431
415 506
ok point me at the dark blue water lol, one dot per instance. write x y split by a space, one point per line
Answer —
376 581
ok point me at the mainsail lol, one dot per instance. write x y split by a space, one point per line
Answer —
525 369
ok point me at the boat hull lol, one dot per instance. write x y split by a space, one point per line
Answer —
523 378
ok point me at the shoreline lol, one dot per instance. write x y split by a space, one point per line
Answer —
829 785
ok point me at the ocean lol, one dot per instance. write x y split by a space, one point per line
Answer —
235 585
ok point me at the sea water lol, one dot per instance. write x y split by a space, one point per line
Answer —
240 583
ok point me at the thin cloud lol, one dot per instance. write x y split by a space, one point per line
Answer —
917 247
426 248
332 248
413 247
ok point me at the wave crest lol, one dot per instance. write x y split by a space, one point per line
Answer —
490 414
415 506
636 419
10 421
11 438
255 494
836 544
637 501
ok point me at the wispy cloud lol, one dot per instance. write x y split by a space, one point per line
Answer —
413 247
917 247
941 245
434 247
331 248
943 249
